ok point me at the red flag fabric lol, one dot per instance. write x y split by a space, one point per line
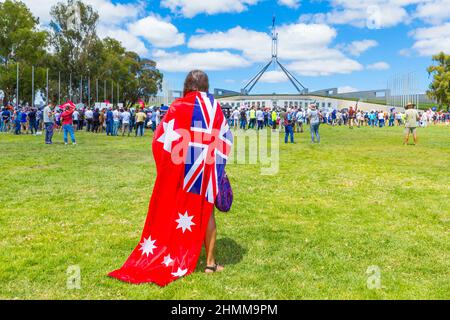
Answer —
141 103
67 104
190 147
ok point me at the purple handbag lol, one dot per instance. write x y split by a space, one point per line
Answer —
224 198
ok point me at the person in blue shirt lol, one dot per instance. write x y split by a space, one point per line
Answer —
5 119
24 120
153 119
109 122
289 126
17 122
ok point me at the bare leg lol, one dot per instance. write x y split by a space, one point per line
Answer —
415 138
406 139
210 244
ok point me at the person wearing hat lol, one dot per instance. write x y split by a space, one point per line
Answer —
411 122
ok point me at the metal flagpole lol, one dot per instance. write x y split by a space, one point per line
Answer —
89 91
112 92
104 90
118 96
32 87
59 88
81 89
70 87
46 101
96 89
17 86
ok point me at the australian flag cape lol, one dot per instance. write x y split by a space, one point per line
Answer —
190 147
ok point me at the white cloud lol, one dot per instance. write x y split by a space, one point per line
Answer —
191 8
301 45
325 66
207 61
160 33
347 89
294 4
432 40
433 11
356 48
378 66
110 13
128 40
254 45
274 77
372 14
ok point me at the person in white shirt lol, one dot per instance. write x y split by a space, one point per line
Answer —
235 116
89 120
158 117
381 119
126 116
75 118
260 118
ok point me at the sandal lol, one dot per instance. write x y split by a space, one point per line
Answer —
213 269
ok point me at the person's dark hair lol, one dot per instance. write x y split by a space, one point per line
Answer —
196 80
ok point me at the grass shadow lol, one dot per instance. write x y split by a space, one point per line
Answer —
228 252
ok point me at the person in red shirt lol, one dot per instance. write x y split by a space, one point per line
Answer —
67 121
352 116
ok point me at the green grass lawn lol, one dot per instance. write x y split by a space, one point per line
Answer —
359 199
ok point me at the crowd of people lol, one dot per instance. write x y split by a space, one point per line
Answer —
295 119
114 121
68 119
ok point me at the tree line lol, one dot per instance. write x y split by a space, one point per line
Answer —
78 62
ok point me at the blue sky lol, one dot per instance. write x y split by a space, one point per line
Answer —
348 44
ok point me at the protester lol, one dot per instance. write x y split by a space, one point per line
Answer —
252 121
6 120
89 115
314 116
289 126
260 119
243 119
32 121
49 119
17 122
116 121
235 117
126 116
169 250
109 122
411 123
96 120
76 117
67 122
352 116
140 122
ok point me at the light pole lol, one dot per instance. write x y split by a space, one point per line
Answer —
32 87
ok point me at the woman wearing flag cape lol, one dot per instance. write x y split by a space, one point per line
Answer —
190 147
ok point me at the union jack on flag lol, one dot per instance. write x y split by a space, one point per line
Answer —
211 141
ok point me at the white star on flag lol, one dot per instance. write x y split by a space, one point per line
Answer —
185 222
147 246
180 272
167 260
169 135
